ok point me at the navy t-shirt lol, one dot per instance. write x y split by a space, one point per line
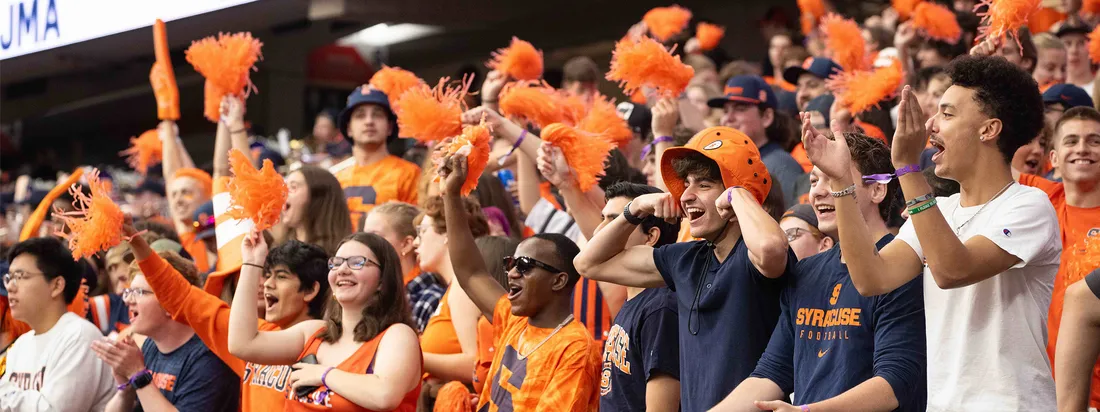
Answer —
192 377
643 341
830 338
727 311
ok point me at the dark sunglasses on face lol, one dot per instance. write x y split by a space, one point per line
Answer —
354 262
524 264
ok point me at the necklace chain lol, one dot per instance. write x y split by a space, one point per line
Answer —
522 334
958 228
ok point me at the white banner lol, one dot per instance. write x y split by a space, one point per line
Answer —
29 26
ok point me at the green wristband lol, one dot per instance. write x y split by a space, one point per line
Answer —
922 208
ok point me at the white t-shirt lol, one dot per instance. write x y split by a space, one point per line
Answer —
987 341
544 218
57 370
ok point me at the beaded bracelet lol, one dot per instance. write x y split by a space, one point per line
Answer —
922 208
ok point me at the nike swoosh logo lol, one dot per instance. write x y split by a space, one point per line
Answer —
821 353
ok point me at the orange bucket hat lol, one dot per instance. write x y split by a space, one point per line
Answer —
736 155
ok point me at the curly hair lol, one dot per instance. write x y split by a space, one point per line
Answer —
1005 92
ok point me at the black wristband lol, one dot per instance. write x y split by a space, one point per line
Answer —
630 218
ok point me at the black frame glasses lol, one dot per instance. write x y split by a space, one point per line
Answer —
524 264
354 262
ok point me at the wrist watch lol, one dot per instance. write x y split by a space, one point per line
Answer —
141 379
630 218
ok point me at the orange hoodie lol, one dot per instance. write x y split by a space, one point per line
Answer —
263 387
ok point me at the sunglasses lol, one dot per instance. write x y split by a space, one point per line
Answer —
354 262
524 264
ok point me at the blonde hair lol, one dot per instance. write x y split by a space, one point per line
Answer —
1047 41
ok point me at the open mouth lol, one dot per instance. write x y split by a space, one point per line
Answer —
694 213
824 210
345 283
271 300
514 290
939 150
133 315
1032 165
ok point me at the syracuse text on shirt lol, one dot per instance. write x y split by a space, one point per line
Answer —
614 355
28 382
810 322
268 376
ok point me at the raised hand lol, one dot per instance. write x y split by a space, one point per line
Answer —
724 203
665 115
232 109
829 155
254 248
911 135
659 205
986 48
473 117
453 172
905 36
491 87
552 165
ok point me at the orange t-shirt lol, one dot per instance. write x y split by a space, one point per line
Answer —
362 361
262 386
1078 226
197 250
485 350
439 335
391 178
560 375
799 154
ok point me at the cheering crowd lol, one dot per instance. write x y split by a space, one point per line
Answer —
897 214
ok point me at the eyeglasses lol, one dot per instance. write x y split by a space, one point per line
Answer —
524 264
135 293
796 232
354 262
19 276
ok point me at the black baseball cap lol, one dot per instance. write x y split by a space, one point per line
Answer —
820 67
638 116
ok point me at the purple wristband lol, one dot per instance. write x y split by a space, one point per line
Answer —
729 193
500 162
907 169
325 375
652 145
805 408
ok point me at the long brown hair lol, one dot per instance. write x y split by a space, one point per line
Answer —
388 306
327 219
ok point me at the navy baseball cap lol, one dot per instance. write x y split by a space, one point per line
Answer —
747 89
204 221
817 66
639 117
1068 95
366 95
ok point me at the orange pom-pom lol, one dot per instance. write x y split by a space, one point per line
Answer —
520 61
585 153
255 194
1090 7
474 144
96 225
811 12
535 102
225 62
144 151
904 7
859 91
432 114
709 35
936 22
603 119
845 40
573 109
646 63
394 82
1094 45
1005 17
665 22
453 397
162 77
